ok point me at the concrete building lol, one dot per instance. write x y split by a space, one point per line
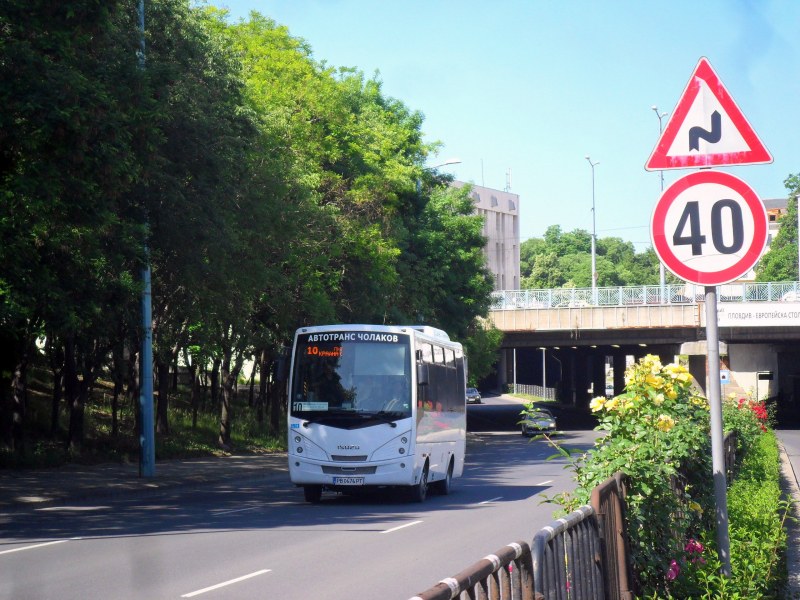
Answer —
500 211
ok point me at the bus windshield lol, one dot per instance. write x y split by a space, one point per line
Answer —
352 373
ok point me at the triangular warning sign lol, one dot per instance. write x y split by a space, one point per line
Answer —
706 129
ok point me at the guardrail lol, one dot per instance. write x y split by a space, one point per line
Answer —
547 393
567 561
608 502
505 575
682 293
585 555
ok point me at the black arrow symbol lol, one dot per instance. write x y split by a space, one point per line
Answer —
712 137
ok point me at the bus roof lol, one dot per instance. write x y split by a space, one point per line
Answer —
427 330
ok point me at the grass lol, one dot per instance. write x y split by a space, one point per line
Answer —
102 444
532 398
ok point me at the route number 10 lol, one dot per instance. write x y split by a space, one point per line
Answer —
690 219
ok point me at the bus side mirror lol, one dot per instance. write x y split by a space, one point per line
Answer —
422 374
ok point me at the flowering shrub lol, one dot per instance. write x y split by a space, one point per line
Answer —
748 417
658 433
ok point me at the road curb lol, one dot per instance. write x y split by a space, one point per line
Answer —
791 490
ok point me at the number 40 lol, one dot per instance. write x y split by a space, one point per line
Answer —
691 217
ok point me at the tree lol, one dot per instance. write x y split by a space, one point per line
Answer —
564 259
780 262
481 347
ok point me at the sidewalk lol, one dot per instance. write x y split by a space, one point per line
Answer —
790 471
37 488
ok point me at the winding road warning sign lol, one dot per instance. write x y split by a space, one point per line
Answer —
709 228
706 129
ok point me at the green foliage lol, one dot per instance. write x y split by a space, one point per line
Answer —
780 262
564 260
657 434
756 513
481 346
271 190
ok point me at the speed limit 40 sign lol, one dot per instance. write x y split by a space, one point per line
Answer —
709 228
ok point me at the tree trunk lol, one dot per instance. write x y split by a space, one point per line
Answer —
19 385
56 355
194 386
262 386
215 383
229 374
162 418
252 386
73 398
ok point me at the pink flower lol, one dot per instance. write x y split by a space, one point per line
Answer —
674 570
694 546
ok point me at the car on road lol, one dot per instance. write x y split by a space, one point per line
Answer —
537 420
473 396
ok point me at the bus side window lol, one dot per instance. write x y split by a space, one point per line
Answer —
427 353
438 355
449 357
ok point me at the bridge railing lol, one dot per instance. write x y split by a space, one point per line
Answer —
674 293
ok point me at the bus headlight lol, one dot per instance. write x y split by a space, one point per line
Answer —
391 449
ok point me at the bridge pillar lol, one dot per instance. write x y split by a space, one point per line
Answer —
697 368
619 366
501 368
597 372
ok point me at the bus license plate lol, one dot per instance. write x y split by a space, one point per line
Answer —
348 481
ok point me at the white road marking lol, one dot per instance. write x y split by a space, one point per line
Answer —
544 482
234 510
491 500
32 547
71 508
402 526
224 583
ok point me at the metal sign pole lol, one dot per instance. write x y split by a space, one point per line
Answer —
717 449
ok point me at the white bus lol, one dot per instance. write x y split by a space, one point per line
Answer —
376 405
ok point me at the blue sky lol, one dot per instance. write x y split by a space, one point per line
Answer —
531 87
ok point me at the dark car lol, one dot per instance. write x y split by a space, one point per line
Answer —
538 420
473 396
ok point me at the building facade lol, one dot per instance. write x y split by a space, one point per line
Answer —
500 212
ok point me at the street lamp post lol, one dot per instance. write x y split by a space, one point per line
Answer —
661 272
449 161
594 237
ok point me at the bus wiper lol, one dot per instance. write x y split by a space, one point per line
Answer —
387 416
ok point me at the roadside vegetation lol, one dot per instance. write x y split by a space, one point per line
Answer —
657 433
265 188
112 430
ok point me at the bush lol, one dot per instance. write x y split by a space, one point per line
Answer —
658 434
756 516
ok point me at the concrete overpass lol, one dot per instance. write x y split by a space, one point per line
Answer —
580 340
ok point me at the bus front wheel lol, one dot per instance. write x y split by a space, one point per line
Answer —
312 493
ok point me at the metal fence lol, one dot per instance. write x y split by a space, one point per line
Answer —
608 502
567 563
680 293
547 393
505 575
585 555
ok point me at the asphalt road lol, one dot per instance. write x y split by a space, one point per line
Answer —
262 541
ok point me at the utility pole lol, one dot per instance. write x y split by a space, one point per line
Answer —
147 452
